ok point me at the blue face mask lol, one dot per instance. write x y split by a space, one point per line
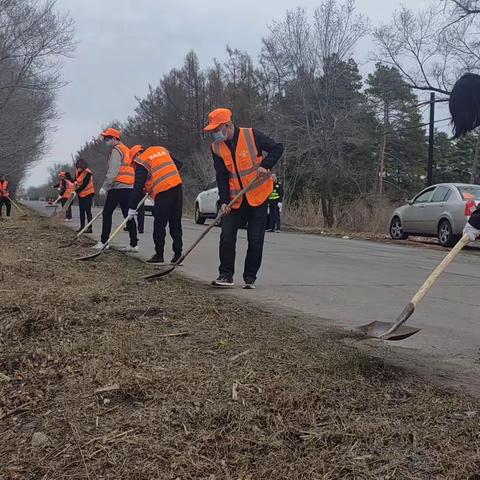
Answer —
219 136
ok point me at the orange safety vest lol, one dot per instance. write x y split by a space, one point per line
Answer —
4 189
246 163
70 186
89 189
162 171
126 174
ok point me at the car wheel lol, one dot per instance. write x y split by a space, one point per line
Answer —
199 218
446 238
396 230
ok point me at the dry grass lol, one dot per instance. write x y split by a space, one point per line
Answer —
86 358
365 215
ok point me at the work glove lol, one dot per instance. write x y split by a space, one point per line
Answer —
102 191
131 214
280 207
471 231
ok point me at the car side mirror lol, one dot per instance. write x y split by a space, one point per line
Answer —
409 201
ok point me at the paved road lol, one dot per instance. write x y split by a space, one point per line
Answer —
351 282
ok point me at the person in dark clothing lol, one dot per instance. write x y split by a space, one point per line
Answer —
5 196
157 172
275 207
85 191
238 160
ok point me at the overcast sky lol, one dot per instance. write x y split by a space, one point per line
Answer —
126 44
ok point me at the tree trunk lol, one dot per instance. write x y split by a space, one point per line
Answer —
381 160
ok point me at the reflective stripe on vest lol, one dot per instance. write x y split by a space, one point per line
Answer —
4 189
246 162
70 186
274 196
89 189
126 173
162 171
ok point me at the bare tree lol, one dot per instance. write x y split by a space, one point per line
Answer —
433 47
34 38
312 63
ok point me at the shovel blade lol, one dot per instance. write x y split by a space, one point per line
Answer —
379 329
160 274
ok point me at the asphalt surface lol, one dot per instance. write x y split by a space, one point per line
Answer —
348 283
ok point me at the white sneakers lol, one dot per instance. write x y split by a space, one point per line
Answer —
100 246
129 249
68 220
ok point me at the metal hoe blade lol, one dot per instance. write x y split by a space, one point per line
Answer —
161 273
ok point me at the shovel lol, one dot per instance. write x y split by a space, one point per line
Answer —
67 205
112 236
201 237
82 231
398 331
18 208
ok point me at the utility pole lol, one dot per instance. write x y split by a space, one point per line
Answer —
430 140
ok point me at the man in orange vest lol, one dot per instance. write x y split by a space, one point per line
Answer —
4 196
66 186
238 160
156 172
117 187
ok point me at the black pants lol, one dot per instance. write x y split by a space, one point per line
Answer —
68 213
274 217
141 219
8 205
116 197
85 205
168 209
256 218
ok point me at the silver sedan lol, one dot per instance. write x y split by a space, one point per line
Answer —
438 211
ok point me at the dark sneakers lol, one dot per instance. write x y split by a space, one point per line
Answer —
156 260
223 281
176 258
249 284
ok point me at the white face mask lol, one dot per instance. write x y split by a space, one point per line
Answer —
109 142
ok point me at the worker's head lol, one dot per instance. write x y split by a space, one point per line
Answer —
81 164
61 174
220 125
135 150
111 136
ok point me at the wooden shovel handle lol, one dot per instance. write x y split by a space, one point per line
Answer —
215 222
89 224
125 221
427 285
430 281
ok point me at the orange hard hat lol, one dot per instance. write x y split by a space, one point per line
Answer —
218 117
135 150
111 132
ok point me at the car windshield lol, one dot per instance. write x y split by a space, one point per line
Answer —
470 192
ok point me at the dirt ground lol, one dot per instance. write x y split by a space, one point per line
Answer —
103 376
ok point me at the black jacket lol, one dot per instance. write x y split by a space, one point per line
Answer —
263 144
